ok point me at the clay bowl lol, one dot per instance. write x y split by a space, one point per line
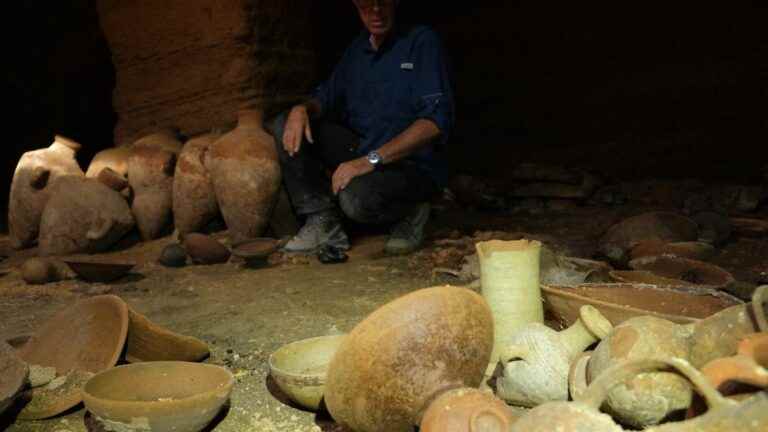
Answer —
693 250
619 302
300 368
14 374
81 340
95 270
646 277
158 396
695 273
256 250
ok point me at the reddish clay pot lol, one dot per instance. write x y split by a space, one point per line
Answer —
663 226
693 250
467 410
150 173
30 191
246 176
648 397
83 216
204 249
162 139
405 354
194 200
113 158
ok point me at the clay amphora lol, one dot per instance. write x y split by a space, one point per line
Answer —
509 275
467 410
648 397
83 216
150 173
246 176
583 415
164 138
194 200
405 354
537 362
664 226
114 158
35 171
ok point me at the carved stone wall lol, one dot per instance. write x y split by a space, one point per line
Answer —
192 63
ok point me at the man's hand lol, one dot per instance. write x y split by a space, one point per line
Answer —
347 171
296 128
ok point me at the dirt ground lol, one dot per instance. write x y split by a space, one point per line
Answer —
244 314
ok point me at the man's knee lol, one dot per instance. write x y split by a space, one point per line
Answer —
359 203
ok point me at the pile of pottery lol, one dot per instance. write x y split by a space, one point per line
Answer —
450 360
78 348
204 249
151 184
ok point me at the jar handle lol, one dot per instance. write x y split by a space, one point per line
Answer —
597 392
758 304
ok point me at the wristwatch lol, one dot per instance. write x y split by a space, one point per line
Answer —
374 158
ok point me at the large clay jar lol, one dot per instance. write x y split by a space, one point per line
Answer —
114 158
194 200
648 397
246 176
537 362
467 410
35 171
150 173
509 275
162 139
83 216
405 354
719 335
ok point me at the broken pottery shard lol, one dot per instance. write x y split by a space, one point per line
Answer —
38 271
13 376
246 176
194 200
148 341
150 173
83 216
30 188
80 340
113 158
623 236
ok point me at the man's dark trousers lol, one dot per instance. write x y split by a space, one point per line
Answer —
385 195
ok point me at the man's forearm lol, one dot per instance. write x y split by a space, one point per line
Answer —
420 134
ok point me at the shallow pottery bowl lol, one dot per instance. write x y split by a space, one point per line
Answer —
300 368
79 341
94 270
621 301
158 396
694 272
255 249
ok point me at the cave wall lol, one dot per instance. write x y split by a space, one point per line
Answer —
193 63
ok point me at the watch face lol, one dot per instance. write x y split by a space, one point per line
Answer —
374 158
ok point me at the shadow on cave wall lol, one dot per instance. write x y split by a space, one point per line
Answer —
631 91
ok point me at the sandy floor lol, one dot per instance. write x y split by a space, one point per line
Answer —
246 314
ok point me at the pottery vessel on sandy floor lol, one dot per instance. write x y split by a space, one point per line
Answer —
246 176
194 200
83 216
30 190
405 354
150 173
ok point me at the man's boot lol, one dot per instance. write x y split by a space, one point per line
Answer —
408 234
323 228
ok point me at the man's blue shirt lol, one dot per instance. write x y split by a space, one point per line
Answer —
380 93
